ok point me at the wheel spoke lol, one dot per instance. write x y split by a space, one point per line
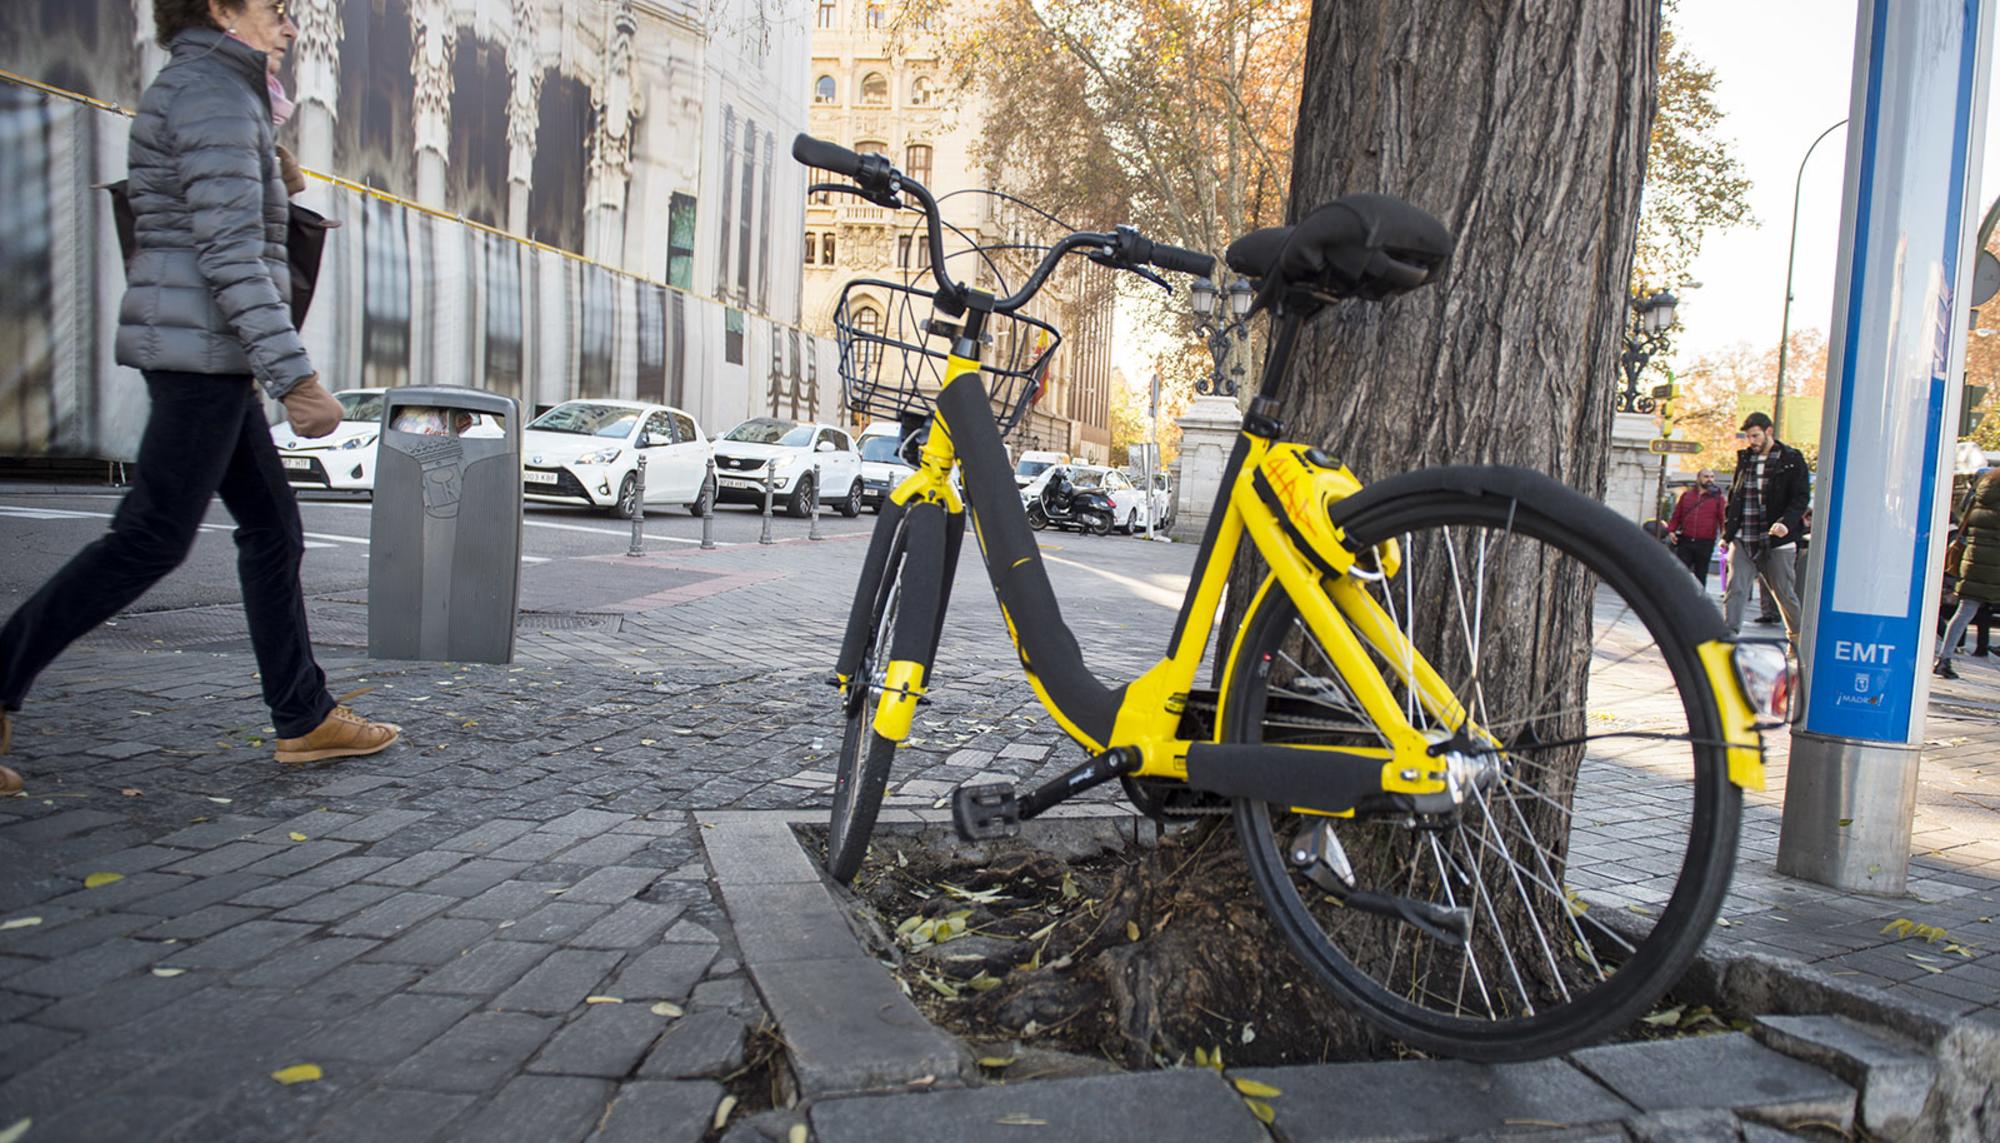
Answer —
1603 729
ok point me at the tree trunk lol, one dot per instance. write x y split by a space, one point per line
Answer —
1523 127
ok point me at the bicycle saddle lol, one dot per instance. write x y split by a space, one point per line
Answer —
1370 246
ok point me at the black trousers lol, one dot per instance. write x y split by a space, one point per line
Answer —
1696 554
206 436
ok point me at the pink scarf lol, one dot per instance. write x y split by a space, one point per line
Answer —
281 104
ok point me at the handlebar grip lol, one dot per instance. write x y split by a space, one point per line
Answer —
826 156
1182 261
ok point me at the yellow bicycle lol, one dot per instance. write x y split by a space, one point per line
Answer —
1483 741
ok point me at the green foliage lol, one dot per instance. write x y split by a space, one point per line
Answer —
1694 185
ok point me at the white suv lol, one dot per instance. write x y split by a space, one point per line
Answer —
806 463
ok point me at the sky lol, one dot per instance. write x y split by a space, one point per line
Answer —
1784 70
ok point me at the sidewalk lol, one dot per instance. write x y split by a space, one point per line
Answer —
430 926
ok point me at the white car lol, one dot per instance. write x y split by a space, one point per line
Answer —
1033 464
587 452
882 467
1128 501
344 460
806 463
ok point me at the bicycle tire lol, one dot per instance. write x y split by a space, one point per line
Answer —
865 756
1361 955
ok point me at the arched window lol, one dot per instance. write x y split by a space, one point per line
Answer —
823 89
917 162
867 323
875 88
922 91
870 148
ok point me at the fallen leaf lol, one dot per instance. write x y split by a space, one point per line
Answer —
132 791
722 1111
169 972
1249 1033
668 1009
997 1061
1020 1119
100 880
797 1134
1131 930
14 1133
19 923
1665 1018
1260 1090
222 801
298 1073
1264 1112
295 835
604 1000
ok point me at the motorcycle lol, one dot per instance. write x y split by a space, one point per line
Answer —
1062 507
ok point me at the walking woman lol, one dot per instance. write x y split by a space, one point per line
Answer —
1979 569
206 320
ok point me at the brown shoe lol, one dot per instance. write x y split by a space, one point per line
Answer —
344 734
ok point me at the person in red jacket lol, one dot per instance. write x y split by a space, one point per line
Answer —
1696 522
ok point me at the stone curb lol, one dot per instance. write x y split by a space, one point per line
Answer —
866 1060
1873 1039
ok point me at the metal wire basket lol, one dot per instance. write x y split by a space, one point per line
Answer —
892 365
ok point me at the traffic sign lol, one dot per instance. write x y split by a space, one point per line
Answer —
1663 446
1663 391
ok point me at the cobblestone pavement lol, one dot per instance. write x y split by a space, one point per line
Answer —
429 925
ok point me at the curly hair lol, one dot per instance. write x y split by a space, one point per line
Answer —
172 17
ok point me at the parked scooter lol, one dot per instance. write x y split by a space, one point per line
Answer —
1062 507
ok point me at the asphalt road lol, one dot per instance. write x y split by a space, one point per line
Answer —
41 527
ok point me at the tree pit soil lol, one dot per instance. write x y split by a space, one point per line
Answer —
1092 947
1077 947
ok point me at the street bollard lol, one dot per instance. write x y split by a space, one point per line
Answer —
638 547
812 530
765 538
708 509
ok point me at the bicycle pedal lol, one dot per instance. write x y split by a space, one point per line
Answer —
985 813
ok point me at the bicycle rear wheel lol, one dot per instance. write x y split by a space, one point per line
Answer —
896 616
1591 852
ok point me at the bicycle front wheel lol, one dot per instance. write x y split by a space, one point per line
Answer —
1591 850
896 617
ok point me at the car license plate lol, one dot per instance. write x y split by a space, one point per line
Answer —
298 462
539 477
738 482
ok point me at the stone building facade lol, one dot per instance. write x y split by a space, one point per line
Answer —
874 87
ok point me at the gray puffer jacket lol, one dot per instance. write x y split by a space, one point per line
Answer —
208 287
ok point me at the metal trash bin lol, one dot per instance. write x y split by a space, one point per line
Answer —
444 567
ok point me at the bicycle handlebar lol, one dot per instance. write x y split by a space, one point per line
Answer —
877 180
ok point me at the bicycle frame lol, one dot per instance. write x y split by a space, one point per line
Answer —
1277 497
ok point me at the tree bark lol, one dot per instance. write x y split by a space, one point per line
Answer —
1522 126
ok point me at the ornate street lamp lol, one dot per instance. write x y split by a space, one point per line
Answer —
1210 325
1652 317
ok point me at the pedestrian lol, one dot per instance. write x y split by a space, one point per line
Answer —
1768 499
205 320
1977 567
1696 522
